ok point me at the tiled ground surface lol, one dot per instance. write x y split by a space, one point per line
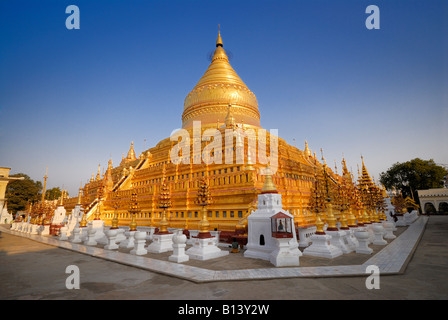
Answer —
391 259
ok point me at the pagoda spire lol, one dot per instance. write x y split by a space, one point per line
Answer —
214 86
109 164
133 208
98 175
307 150
130 156
345 172
109 180
219 40
365 179
131 153
45 185
79 195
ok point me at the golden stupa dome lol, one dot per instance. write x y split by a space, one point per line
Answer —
219 87
268 186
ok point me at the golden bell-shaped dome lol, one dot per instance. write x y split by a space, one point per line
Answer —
220 86
268 186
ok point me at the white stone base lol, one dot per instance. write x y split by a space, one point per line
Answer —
258 252
205 249
305 235
282 256
378 231
63 234
179 255
321 247
193 235
26 227
120 235
161 243
149 232
129 242
35 229
179 240
389 228
353 242
100 236
363 238
140 240
400 221
369 229
216 235
112 237
45 231
91 235
338 239
77 234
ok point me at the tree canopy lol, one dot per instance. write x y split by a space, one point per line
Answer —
413 175
53 193
20 192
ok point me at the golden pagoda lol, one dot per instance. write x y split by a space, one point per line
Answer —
369 195
219 94
218 87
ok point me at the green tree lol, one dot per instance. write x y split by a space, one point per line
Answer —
21 192
53 193
413 175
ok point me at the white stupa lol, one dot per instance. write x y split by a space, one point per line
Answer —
263 242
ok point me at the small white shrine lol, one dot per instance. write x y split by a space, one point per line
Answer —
59 215
271 232
5 216
71 222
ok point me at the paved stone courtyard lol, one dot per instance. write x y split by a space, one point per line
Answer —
34 270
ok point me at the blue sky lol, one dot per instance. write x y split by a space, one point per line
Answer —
70 99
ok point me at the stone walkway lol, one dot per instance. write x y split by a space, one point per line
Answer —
392 259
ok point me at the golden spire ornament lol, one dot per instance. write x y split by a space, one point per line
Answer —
219 39
98 176
164 204
99 193
331 220
268 186
365 217
344 221
317 200
85 205
133 210
319 225
204 199
45 185
307 150
351 219
116 205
